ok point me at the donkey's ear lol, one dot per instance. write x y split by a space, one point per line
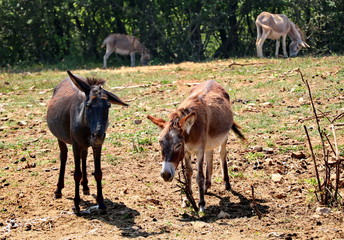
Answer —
114 99
305 45
157 121
79 83
187 122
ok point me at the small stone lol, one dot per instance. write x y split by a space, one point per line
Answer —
22 123
268 150
198 225
267 104
281 195
257 148
223 215
323 210
298 155
137 121
276 177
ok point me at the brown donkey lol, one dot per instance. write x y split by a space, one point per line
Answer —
200 124
125 45
78 115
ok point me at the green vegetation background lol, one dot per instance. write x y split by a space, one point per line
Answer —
69 33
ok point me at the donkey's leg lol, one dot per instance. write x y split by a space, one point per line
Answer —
209 169
106 56
277 47
84 181
132 59
77 176
63 160
259 36
284 45
200 179
261 41
188 172
98 175
223 156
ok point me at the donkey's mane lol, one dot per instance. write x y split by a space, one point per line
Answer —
176 116
302 34
92 81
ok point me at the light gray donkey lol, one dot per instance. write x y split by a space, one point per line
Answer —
125 45
275 26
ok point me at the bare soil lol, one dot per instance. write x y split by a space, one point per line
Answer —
140 205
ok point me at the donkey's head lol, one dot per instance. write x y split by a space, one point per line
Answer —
298 42
145 58
95 107
172 141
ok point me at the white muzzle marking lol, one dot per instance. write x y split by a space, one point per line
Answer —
167 171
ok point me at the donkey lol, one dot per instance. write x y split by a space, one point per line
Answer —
199 125
78 115
275 26
125 45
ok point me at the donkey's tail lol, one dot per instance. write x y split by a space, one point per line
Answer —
236 129
105 42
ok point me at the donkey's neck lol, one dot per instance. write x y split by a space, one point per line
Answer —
294 34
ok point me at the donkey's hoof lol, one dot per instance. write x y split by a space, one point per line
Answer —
76 210
228 186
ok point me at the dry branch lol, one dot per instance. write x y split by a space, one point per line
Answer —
243 64
184 189
328 193
254 205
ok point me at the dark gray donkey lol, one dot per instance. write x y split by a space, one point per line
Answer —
78 115
125 45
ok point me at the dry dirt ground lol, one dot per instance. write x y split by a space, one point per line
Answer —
142 206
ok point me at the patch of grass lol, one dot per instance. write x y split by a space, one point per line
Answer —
251 156
236 174
291 148
311 181
113 160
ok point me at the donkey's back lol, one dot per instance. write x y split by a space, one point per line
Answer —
65 96
212 104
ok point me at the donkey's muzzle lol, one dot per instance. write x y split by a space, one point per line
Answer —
97 138
167 176
167 172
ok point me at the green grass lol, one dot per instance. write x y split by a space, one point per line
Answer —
25 93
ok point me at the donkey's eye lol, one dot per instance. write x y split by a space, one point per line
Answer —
177 147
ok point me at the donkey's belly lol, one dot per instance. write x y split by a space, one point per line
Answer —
274 36
122 51
215 142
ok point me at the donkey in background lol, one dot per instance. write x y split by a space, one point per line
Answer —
78 115
200 124
275 26
125 45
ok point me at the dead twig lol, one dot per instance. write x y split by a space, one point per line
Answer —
254 205
329 194
242 64
184 188
313 157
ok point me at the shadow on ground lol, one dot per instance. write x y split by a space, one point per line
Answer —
117 214
235 210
